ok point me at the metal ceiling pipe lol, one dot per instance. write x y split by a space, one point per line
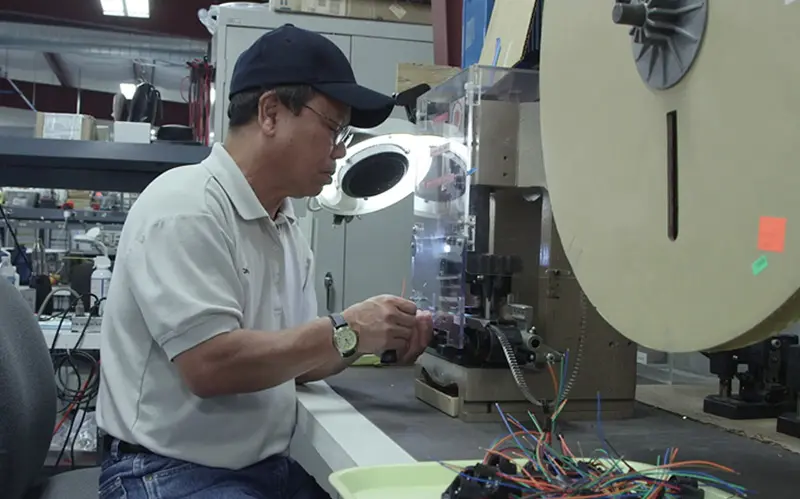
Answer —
68 40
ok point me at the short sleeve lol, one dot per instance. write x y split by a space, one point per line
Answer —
184 279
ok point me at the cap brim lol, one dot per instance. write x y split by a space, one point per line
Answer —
368 108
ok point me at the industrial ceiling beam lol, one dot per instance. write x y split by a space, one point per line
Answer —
57 99
59 68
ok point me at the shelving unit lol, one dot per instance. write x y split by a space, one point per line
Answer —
91 165
56 215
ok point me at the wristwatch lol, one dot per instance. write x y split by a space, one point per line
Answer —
345 339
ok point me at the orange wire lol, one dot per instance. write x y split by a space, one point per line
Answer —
553 377
565 447
690 463
72 405
504 440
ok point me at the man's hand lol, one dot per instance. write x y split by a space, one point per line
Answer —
383 323
420 339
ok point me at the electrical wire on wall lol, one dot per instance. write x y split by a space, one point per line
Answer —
199 98
76 388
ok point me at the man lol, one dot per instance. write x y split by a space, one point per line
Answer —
211 317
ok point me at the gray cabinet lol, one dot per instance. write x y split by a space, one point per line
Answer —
378 253
370 255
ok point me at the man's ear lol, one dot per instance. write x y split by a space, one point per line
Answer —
268 112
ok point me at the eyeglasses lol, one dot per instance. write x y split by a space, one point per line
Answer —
341 133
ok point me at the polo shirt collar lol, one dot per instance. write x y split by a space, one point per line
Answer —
233 182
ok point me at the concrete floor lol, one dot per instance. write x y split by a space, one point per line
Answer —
386 397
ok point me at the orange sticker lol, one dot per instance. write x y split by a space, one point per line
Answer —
771 234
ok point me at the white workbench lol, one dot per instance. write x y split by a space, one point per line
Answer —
332 435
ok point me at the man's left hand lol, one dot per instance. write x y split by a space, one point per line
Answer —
421 338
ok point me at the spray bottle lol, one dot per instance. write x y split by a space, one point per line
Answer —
101 279
8 271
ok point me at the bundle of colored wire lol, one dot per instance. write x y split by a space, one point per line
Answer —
538 464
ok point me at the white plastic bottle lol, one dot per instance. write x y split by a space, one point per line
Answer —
101 279
8 271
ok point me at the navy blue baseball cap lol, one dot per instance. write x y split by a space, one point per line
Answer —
293 56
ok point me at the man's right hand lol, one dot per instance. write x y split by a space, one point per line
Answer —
383 323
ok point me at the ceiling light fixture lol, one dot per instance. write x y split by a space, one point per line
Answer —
126 8
138 8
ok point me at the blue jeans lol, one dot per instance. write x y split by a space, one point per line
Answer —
150 476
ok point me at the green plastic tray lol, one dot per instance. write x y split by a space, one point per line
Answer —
423 480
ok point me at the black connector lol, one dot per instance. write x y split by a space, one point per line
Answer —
505 466
482 482
689 488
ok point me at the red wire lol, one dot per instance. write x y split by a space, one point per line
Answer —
209 69
73 405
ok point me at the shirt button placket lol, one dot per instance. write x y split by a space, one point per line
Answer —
277 278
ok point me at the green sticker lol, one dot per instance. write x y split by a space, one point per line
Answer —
759 265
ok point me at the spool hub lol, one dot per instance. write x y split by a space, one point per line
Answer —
666 36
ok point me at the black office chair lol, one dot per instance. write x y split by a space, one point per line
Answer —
28 410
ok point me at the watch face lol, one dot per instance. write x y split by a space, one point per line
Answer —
345 340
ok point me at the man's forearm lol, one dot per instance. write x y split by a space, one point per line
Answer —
327 370
245 361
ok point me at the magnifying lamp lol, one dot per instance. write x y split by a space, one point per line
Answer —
382 167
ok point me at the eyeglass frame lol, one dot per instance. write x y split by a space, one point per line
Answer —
341 133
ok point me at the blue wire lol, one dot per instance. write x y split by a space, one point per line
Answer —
511 432
600 433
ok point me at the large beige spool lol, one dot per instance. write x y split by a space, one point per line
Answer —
731 276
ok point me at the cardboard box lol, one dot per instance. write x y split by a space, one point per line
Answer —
376 10
506 41
65 126
411 74
133 133
387 10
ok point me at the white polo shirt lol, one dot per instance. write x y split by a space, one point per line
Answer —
199 256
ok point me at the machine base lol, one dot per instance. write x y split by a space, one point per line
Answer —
732 408
470 394
789 424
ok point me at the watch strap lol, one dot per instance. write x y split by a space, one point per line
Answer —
338 321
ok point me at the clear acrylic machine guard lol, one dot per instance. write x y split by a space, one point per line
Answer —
444 228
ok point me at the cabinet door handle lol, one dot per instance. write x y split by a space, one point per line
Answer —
329 292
